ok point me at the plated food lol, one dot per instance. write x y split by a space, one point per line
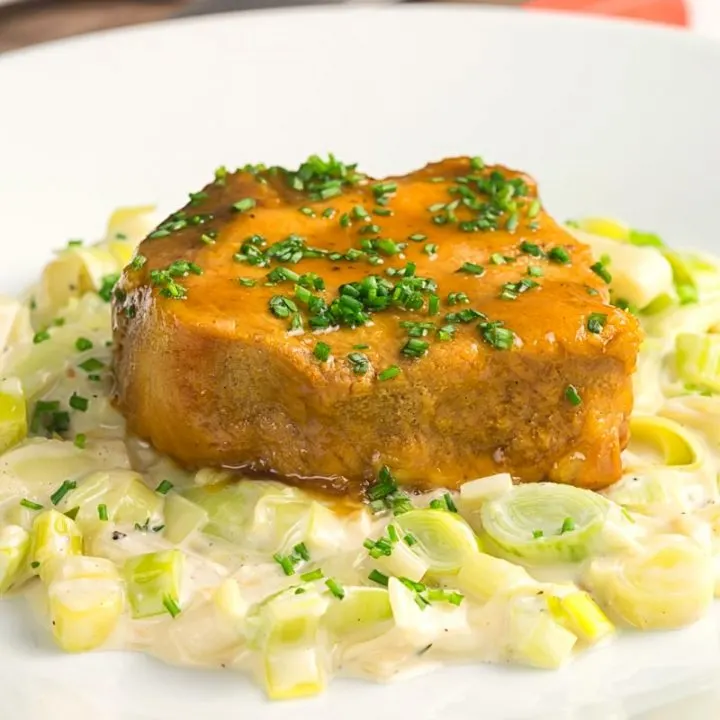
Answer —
344 399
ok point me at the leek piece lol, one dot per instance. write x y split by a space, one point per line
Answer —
444 539
182 518
534 637
53 536
669 584
685 285
697 360
665 491
86 600
13 414
420 623
211 630
363 611
639 274
293 672
699 412
324 532
678 447
544 522
474 493
232 509
403 562
606 227
581 615
287 628
127 498
14 545
127 226
154 583
482 576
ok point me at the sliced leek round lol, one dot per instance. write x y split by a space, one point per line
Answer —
669 584
544 522
442 539
678 447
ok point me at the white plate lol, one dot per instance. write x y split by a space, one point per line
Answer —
612 118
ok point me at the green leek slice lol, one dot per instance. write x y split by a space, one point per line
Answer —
669 584
544 522
154 583
443 539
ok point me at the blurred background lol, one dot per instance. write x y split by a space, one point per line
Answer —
27 22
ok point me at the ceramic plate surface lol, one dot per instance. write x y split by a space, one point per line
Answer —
611 118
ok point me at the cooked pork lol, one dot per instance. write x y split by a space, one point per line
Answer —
319 324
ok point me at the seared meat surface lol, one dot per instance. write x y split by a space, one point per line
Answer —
318 324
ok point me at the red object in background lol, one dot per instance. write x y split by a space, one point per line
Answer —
672 12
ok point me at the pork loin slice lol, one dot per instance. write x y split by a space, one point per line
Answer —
467 333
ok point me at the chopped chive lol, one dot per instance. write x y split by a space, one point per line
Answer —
477 163
247 282
30 505
91 365
137 262
41 336
302 551
433 305
62 491
537 534
307 211
567 526
534 271
171 606
344 220
285 563
449 502
389 373
498 259
430 249
384 188
472 268
164 487
102 512
601 271
559 255
512 223
410 539
82 344
531 249
415 347
596 322
534 209
359 362
572 395
322 351
335 588
417 237
380 578
382 212
77 402
209 237
244 205
312 575
328 212
80 441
